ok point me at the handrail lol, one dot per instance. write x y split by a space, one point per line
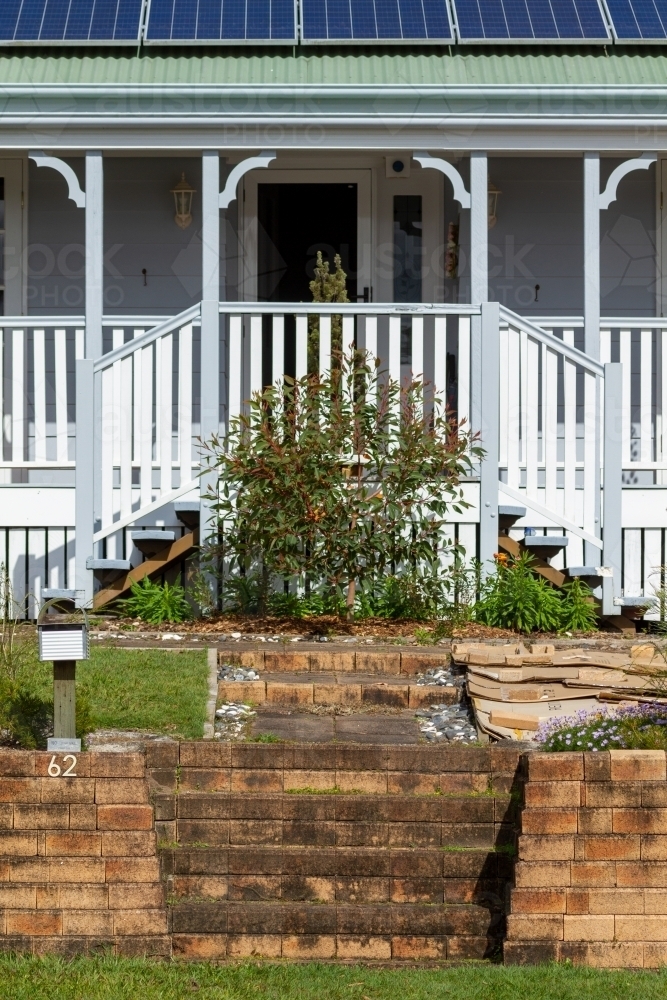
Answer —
42 321
554 343
356 308
125 350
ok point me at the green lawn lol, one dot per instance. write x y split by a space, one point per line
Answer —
150 689
129 979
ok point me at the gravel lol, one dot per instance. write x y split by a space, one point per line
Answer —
437 677
230 672
447 723
231 720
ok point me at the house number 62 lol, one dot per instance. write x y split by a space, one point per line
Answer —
56 771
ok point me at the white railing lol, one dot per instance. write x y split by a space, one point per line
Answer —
145 422
550 427
37 386
426 340
640 344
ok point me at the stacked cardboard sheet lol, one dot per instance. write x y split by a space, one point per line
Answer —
513 688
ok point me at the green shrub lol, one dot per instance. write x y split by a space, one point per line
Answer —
515 597
155 603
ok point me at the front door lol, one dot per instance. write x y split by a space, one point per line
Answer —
288 215
295 222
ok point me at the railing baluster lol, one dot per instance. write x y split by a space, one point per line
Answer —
418 347
504 397
256 356
513 408
18 396
325 344
163 410
347 335
107 443
235 373
278 350
626 361
550 428
646 393
146 423
532 416
60 365
125 433
39 361
590 476
395 348
301 347
440 361
185 403
463 372
570 438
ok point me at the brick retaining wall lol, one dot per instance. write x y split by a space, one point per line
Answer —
343 852
591 875
298 851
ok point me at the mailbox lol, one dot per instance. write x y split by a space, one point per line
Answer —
63 641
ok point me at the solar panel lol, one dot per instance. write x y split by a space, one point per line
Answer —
637 20
48 21
231 21
375 20
530 21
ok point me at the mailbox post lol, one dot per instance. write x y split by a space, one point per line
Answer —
63 642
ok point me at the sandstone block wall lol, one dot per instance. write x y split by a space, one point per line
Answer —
591 874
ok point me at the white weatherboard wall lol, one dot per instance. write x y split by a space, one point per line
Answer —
538 239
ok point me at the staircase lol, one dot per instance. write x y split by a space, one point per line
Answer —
402 855
541 406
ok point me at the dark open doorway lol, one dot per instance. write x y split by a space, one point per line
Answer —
295 221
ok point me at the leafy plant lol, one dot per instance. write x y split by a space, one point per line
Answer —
515 597
342 479
326 287
578 613
156 603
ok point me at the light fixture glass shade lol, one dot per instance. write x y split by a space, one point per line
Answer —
183 201
493 193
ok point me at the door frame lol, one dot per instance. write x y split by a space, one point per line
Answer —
249 249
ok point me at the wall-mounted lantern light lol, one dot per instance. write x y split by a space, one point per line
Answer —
183 201
493 204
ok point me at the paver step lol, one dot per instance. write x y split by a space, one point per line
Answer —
331 819
381 931
336 688
372 873
316 658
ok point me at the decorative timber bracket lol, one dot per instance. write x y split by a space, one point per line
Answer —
642 162
75 193
252 163
447 168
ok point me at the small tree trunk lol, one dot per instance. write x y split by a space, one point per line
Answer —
351 589
263 592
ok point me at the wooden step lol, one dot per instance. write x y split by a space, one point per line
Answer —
336 689
171 553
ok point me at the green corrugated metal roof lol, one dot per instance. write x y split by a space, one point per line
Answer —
615 67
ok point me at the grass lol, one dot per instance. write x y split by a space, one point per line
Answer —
149 689
125 979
